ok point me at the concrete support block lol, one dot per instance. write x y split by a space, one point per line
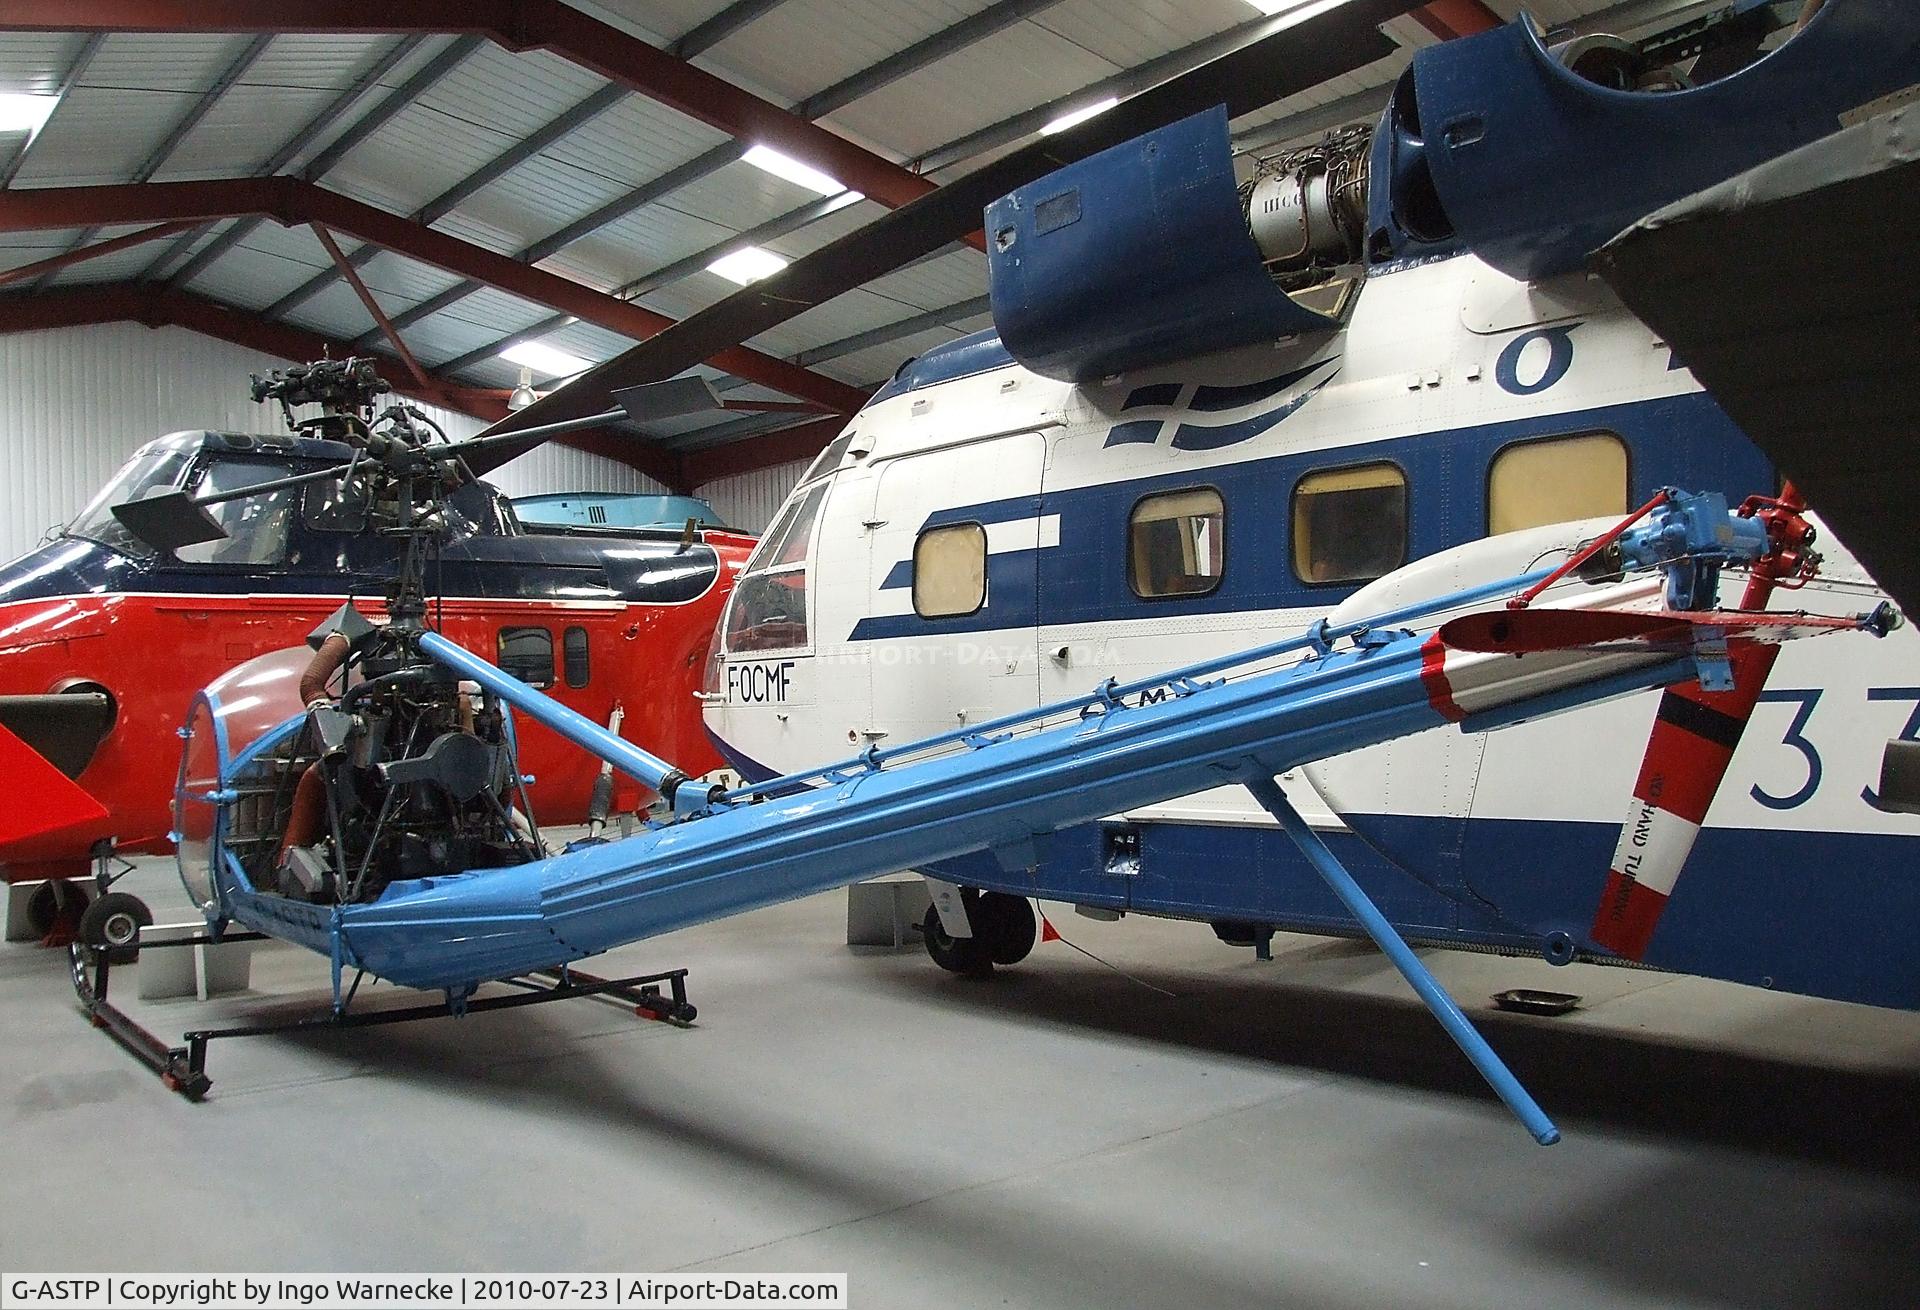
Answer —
887 911
18 894
203 971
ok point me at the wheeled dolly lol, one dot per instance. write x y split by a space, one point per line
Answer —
184 1068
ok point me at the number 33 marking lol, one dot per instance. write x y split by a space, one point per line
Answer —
1808 700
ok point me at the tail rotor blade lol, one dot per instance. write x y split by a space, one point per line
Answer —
1694 736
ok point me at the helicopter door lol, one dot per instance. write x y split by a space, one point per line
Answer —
955 540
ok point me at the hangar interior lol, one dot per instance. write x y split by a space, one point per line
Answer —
492 205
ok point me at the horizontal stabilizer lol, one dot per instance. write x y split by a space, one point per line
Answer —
48 816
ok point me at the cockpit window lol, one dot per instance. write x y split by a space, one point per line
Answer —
338 505
829 459
145 471
769 606
256 525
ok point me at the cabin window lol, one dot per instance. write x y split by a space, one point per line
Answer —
1176 543
574 651
256 526
1349 524
769 606
527 653
1557 480
950 571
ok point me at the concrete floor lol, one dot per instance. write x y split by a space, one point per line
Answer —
1292 1133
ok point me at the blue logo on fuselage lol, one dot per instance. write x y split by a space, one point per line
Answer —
1214 417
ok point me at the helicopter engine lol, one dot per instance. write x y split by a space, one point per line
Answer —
406 774
1307 208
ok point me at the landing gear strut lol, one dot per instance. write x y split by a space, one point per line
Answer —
1004 931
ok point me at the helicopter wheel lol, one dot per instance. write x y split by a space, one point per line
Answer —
55 909
963 955
113 923
1007 925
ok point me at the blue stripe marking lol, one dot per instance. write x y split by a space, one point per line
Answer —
1511 882
1680 440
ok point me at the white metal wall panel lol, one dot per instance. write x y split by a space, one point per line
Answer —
748 500
75 403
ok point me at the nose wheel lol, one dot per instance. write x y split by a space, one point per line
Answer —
1004 931
113 924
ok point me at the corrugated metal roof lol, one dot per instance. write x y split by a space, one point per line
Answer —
138 88
804 46
36 62
1009 72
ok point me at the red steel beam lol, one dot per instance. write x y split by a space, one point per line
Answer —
157 306
291 200
53 264
749 454
1448 19
372 306
515 25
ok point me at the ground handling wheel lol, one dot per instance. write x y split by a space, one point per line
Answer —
113 923
1007 924
963 955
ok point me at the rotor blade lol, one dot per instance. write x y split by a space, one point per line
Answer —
1694 736
674 398
1289 61
169 520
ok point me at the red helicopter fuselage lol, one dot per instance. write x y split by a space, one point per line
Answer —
599 620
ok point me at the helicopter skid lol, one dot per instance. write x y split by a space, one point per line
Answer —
183 1068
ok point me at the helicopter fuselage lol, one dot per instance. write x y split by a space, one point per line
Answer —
598 619
987 539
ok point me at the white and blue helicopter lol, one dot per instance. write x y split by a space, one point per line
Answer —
1214 408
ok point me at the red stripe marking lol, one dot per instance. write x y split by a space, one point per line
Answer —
1433 676
1681 770
1627 916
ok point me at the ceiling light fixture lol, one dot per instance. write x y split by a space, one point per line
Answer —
20 112
772 161
747 265
1299 10
1068 120
524 394
549 361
